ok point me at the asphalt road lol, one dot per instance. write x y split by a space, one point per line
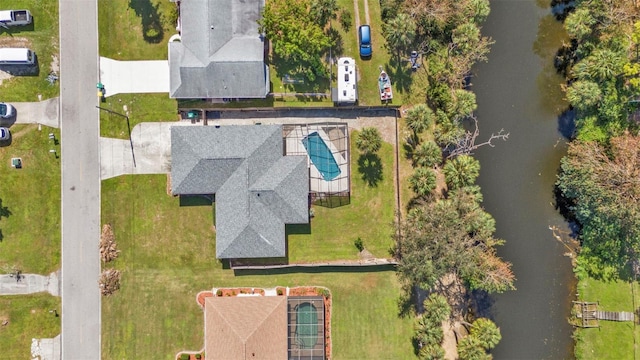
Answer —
80 130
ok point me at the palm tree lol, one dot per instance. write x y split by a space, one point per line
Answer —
400 32
428 154
487 333
469 348
369 140
436 307
419 118
461 171
431 352
423 181
323 11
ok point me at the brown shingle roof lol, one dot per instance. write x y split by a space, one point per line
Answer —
252 327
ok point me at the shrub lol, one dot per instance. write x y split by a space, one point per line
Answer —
346 19
184 357
219 292
359 244
198 356
279 292
152 33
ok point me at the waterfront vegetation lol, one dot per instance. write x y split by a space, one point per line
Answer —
446 232
598 178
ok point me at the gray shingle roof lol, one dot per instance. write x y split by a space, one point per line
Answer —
258 189
220 53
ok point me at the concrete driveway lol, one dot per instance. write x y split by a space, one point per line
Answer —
128 77
44 112
151 148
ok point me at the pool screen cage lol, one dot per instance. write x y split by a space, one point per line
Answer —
327 188
306 336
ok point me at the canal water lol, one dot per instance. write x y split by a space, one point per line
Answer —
519 90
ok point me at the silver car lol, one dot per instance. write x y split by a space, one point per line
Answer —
4 134
6 110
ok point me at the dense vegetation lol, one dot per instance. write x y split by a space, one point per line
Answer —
599 175
446 231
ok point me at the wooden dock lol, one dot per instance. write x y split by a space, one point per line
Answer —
588 315
615 315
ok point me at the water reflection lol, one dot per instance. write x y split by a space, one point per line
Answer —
551 35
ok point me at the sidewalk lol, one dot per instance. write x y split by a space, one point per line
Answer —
30 284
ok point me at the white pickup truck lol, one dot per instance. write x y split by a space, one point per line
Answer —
15 18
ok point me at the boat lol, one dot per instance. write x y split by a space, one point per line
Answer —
384 85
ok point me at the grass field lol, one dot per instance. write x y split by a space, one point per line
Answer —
168 256
135 29
28 317
613 340
30 234
42 38
141 108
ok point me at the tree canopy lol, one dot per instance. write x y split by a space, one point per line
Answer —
453 235
601 183
296 34
369 140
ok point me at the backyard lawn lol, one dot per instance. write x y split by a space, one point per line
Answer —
369 215
30 202
42 38
597 343
168 256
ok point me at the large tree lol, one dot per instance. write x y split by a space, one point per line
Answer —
296 35
601 184
419 118
451 236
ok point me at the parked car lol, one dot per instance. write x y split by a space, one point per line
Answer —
4 134
15 18
6 110
364 40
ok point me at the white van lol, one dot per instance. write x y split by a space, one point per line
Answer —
17 56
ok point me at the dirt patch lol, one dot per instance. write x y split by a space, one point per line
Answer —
55 64
4 76
15 42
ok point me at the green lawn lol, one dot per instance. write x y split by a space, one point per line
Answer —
368 216
141 108
41 37
613 340
29 318
135 29
168 256
30 234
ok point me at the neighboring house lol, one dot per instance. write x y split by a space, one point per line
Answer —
265 327
246 327
219 53
257 189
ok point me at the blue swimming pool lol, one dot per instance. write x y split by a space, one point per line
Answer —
321 156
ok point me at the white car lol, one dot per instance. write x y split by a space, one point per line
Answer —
4 134
6 110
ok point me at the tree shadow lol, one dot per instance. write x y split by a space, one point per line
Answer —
152 30
400 74
4 211
370 166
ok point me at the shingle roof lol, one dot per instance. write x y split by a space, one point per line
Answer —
258 189
246 327
220 53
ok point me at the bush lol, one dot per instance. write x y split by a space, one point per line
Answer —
198 356
184 357
279 292
359 244
346 19
151 33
